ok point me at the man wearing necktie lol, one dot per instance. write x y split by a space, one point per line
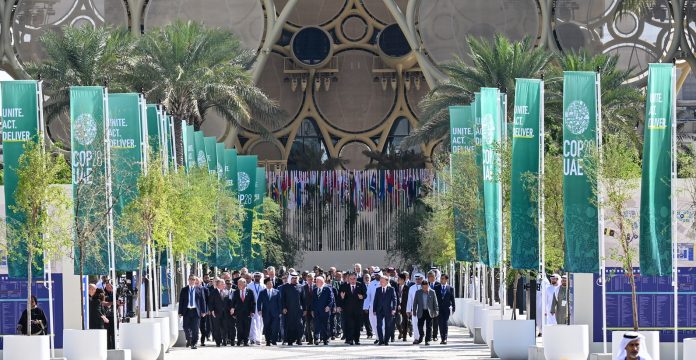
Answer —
269 306
350 303
192 309
322 303
445 301
243 307
384 308
308 294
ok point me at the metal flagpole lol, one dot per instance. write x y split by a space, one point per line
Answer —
172 262
109 204
675 268
501 229
540 208
600 218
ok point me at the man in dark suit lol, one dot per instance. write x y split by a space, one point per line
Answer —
322 303
276 281
192 308
445 301
206 322
229 320
308 294
270 308
403 321
433 281
216 306
384 308
292 302
243 307
351 296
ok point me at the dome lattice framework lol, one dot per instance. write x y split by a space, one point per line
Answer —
350 73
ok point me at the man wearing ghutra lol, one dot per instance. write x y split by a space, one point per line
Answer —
633 347
256 320
292 302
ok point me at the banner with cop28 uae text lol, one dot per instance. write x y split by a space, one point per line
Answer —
88 126
462 143
656 185
199 148
525 167
21 123
491 140
259 195
189 148
127 161
580 215
246 182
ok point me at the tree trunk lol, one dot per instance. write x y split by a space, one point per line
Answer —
30 257
140 278
514 296
634 300
82 288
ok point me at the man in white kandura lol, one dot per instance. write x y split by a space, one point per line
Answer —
550 294
369 300
256 329
633 347
418 277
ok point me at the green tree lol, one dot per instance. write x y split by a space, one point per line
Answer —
44 231
395 159
496 63
196 71
622 104
278 248
615 175
81 56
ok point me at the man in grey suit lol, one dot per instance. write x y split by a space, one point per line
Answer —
425 307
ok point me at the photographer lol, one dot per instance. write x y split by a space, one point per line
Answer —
38 320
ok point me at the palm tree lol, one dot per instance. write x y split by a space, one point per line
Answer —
622 105
196 71
395 160
496 63
80 56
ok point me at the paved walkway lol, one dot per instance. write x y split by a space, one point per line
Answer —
459 346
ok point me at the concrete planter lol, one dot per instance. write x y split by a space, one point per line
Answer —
690 348
480 315
26 347
512 338
84 344
163 323
566 342
652 343
487 330
144 339
470 314
173 327
462 310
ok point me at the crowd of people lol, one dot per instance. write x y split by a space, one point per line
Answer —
100 308
242 308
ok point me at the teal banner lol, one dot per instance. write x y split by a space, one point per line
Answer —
462 140
220 160
21 123
88 111
656 183
580 216
199 148
259 194
127 161
231 169
189 148
491 139
246 182
154 133
482 242
527 121
211 154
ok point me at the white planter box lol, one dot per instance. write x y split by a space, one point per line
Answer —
163 323
689 348
26 347
462 310
144 339
566 342
487 330
84 344
480 314
512 338
469 314
652 343
173 327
